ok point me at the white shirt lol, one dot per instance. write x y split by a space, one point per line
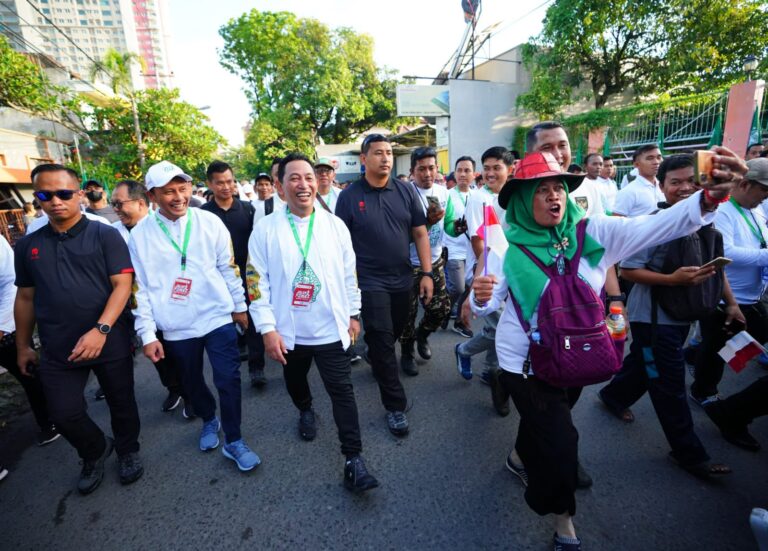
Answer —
638 197
458 247
589 197
474 209
258 206
621 237
216 290
124 231
435 231
609 190
41 221
330 199
7 287
273 262
743 247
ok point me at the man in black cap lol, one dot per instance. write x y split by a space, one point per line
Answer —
97 201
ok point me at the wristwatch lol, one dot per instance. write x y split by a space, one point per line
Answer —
427 274
356 317
617 298
104 328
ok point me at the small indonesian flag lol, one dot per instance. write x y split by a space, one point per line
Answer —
492 233
739 350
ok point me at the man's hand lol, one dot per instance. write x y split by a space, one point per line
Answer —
729 169
275 346
88 347
434 214
733 312
241 318
354 329
691 275
154 351
483 287
426 289
24 357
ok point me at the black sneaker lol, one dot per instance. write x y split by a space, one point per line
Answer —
172 401
3 472
459 328
93 471
407 362
130 468
354 358
422 345
566 544
357 479
187 412
307 426
397 423
46 436
521 473
98 394
485 376
258 379
444 324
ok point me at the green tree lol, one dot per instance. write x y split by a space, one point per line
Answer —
26 88
305 82
644 46
172 129
115 69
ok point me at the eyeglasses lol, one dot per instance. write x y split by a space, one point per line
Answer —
323 170
118 205
63 194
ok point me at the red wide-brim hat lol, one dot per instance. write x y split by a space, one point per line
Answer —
534 167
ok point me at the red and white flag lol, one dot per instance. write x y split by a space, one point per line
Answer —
739 350
492 233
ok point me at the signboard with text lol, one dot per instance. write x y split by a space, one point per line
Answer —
422 101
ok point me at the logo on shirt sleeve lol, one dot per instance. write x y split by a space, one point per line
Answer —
252 278
35 253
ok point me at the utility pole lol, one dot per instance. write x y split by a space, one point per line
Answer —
137 130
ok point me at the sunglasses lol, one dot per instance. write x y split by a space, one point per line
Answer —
63 194
118 205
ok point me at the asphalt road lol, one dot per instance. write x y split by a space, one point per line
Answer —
443 487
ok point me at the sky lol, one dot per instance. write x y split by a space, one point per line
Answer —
415 37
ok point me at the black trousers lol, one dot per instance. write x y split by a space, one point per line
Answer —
31 385
64 385
333 365
168 371
547 442
741 408
709 365
660 371
384 317
255 343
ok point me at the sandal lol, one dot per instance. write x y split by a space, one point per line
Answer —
703 470
624 415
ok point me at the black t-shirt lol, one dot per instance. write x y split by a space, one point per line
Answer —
380 221
239 222
70 272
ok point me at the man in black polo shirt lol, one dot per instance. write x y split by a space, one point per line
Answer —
74 279
383 216
238 217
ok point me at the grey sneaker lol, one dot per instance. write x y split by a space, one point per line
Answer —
93 471
397 423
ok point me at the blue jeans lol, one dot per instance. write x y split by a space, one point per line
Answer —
221 347
485 341
660 371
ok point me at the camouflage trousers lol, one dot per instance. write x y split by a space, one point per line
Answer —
436 311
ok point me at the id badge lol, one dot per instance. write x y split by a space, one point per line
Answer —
180 291
302 296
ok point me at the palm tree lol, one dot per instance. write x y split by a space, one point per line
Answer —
115 67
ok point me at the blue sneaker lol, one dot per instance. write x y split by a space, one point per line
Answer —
762 359
241 454
463 363
209 436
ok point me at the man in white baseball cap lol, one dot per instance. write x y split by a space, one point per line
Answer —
189 288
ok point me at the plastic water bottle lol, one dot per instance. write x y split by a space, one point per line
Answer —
617 325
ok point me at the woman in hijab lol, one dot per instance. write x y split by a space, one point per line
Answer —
543 219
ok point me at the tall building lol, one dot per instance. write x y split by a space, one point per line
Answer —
94 26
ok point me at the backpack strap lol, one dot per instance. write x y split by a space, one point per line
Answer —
523 322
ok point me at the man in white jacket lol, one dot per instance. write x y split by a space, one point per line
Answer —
190 289
306 304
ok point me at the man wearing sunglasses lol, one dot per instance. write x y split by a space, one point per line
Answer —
74 278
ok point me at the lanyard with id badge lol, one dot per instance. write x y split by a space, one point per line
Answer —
306 284
758 233
182 286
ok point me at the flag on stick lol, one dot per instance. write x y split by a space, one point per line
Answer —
739 350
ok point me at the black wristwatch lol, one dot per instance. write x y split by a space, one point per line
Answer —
356 317
103 328
427 274
617 298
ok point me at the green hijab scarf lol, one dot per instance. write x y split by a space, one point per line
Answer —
525 279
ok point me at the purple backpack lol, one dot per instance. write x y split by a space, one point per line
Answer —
571 347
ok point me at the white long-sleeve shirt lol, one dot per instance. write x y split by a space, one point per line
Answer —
216 290
621 237
743 247
7 287
273 262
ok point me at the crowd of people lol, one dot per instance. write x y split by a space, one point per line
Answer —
295 267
